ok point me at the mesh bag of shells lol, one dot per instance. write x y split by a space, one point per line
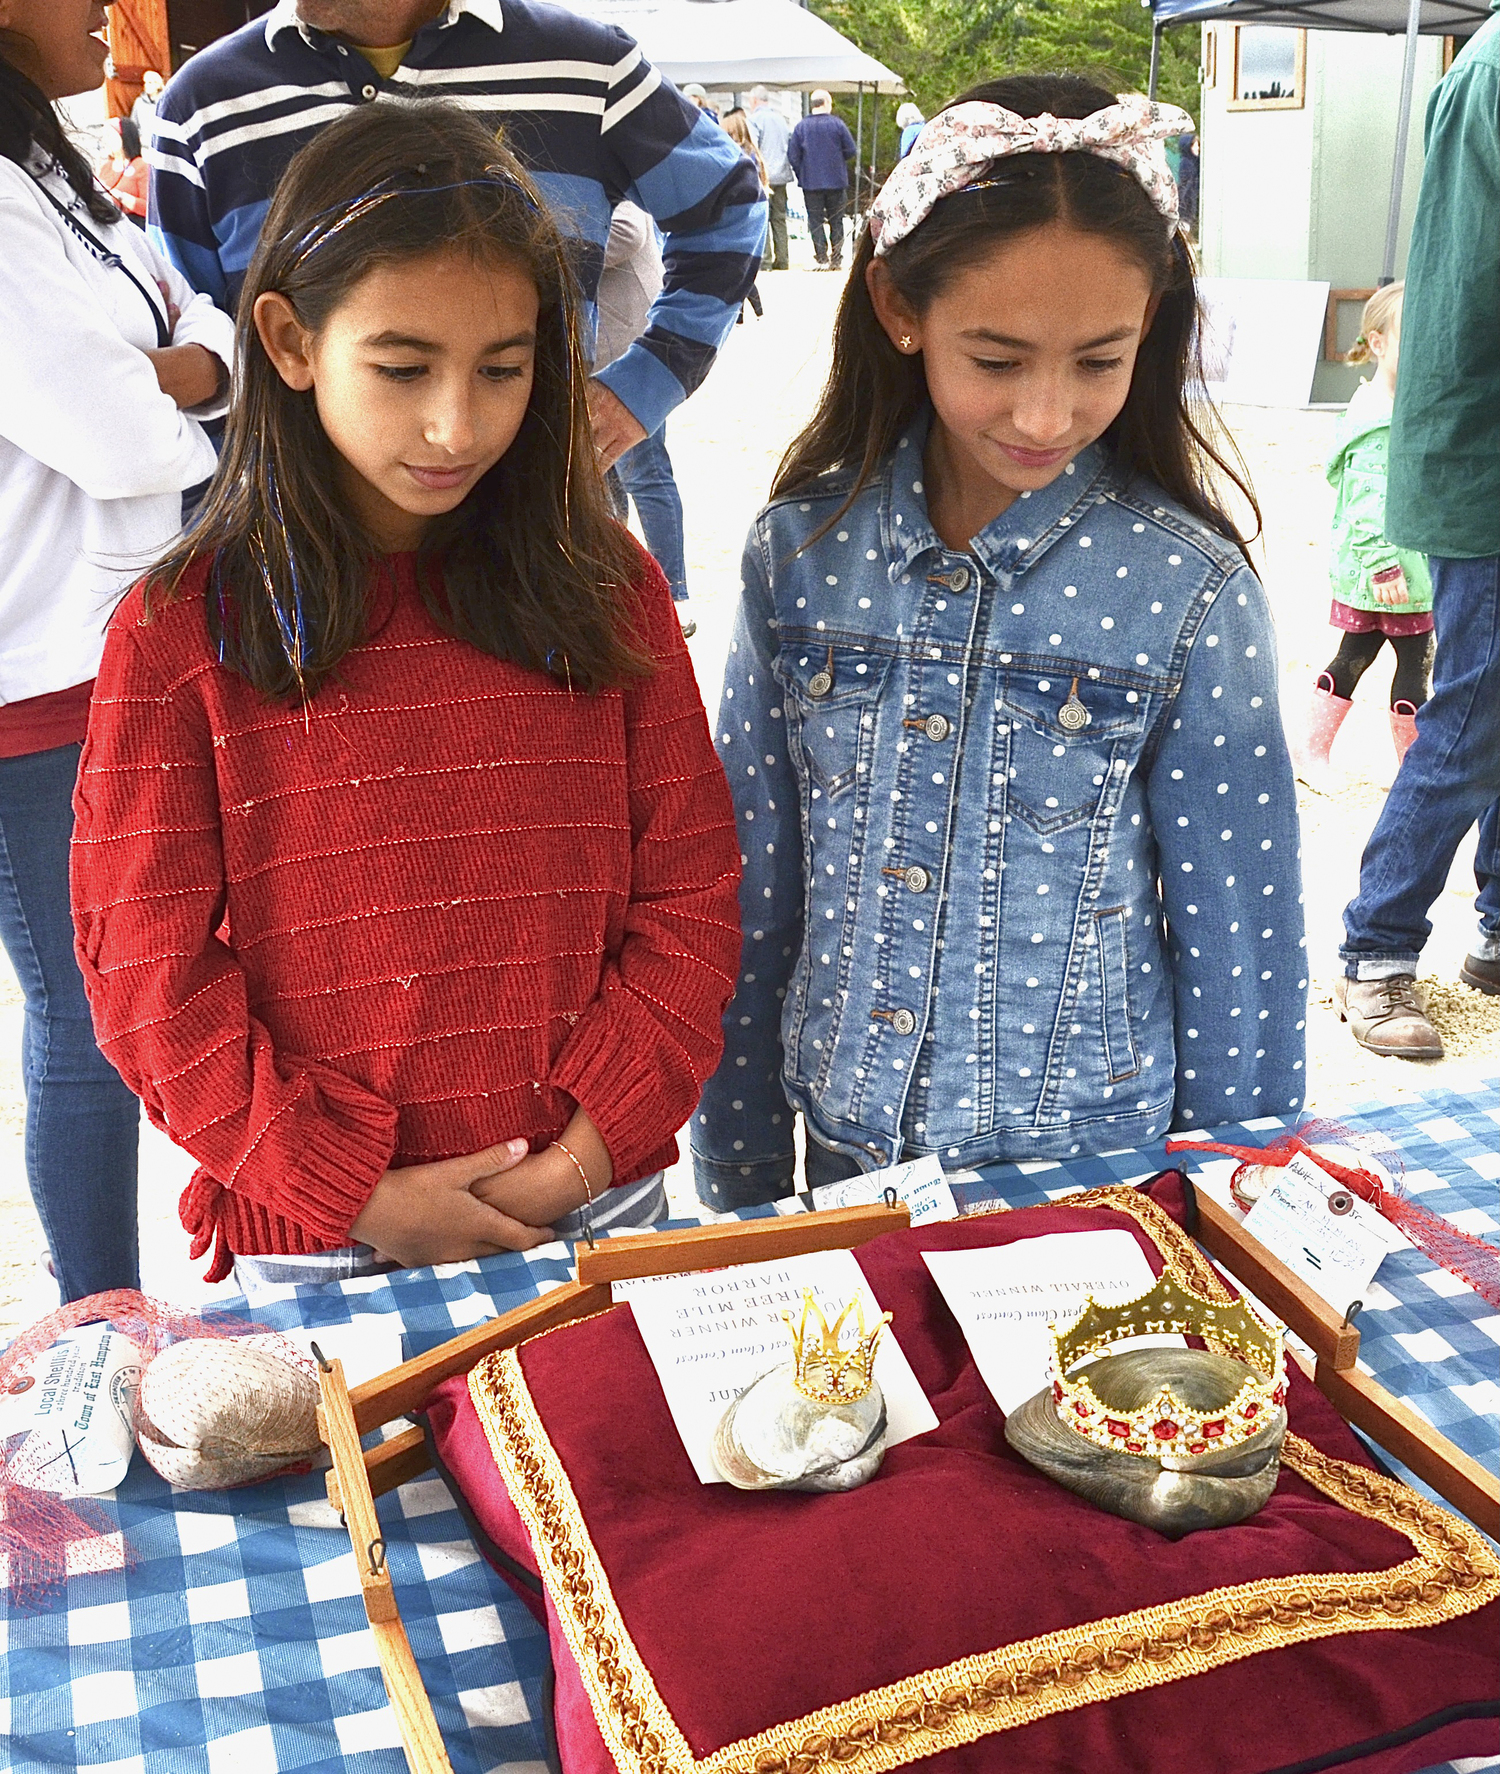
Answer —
212 1402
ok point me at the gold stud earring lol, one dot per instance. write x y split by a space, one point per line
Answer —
906 341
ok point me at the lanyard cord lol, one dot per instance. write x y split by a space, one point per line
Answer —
111 261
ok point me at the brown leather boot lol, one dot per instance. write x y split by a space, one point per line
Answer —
1483 975
1385 1016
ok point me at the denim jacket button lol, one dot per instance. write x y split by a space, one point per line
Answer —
916 879
937 727
958 579
820 683
904 1023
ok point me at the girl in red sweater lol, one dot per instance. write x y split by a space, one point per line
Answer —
405 873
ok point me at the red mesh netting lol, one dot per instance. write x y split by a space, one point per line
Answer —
1467 1257
46 1539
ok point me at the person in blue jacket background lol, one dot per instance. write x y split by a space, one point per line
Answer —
821 152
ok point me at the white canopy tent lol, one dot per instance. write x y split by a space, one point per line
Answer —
732 45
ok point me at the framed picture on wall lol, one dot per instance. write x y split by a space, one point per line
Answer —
1270 69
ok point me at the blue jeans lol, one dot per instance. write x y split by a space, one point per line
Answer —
825 223
646 475
82 1122
1450 779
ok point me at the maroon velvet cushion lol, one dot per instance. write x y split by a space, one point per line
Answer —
748 1611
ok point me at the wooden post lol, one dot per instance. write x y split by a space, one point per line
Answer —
404 1389
745 1241
403 1682
1334 1338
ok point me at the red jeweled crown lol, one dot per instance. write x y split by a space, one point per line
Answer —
1165 1425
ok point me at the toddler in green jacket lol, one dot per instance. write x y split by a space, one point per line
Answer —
1380 592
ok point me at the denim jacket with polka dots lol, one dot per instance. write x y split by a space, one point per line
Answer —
1019 834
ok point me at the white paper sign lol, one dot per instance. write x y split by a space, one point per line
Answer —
1261 338
920 1184
709 1335
1006 1296
1334 1254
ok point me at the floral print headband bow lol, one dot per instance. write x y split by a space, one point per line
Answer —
964 138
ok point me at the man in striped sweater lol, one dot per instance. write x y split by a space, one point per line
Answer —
593 121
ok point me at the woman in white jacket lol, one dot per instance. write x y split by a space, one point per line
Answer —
106 355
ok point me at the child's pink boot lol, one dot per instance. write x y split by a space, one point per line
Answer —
1403 728
1326 713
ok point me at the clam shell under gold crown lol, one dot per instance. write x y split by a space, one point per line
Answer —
1167 1425
816 1422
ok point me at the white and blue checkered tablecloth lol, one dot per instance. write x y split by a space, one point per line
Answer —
237 1643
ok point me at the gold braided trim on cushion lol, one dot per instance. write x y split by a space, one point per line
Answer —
1179 1254
1453 1573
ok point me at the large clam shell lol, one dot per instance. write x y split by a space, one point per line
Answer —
214 1412
1176 1496
773 1437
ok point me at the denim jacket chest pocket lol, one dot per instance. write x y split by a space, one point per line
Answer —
831 690
1067 736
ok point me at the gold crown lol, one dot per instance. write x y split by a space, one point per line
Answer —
1166 1425
826 1372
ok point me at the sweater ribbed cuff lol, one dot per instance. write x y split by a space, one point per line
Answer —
614 1076
341 1154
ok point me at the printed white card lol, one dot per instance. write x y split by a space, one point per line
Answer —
1335 1254
919 1183
710 1334
1005 1298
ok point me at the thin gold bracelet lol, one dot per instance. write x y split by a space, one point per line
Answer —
588 1190
582 1173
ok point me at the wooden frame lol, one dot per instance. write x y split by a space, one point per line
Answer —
1331 352
359 1475
1299 78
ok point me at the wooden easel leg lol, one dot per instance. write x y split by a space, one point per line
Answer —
420 1738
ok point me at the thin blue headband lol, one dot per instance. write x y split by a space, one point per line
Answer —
315 235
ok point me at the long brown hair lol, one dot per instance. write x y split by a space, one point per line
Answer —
530 567
28 121
736 125
1164 431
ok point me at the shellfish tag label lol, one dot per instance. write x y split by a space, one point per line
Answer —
710 1334
1335 1255
1005 1297
920 1183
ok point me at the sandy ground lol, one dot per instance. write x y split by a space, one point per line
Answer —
725 444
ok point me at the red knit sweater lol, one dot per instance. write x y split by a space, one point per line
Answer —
438 908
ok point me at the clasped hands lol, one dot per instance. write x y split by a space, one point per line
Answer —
502 1198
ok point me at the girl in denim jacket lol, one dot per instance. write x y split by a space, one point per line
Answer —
1017 822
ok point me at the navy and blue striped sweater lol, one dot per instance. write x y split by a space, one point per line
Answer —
592 120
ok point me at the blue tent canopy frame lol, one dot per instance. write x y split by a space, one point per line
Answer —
1417 18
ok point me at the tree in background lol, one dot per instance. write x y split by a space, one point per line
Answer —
939 47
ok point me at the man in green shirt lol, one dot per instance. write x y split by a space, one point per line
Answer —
1443 497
